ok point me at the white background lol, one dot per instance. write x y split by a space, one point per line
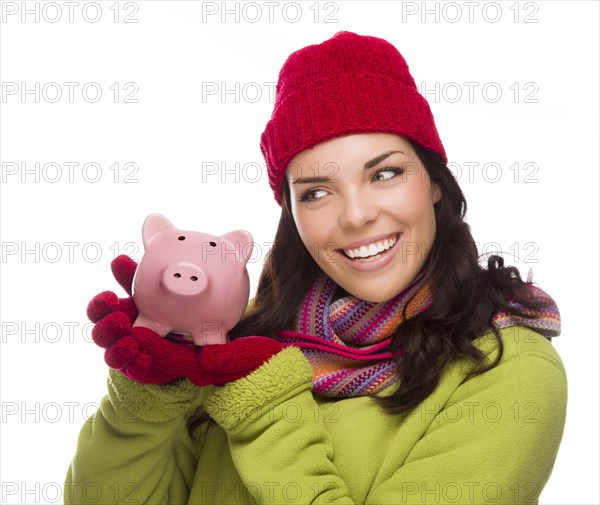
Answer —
60 230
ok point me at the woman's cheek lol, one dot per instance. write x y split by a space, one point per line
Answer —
411 206
311 235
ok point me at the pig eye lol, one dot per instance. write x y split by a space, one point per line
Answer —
181 238
214 244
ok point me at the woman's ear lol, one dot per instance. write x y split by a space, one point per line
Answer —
436 193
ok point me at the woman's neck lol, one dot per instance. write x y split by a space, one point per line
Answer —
340 293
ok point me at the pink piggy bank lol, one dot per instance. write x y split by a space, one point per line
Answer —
190 282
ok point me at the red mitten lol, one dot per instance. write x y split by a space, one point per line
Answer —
144 356
123 269
214 364
235 359
113 330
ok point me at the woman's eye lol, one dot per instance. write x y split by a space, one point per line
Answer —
311 195
387 173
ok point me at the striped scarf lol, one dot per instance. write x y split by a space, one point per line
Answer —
347 341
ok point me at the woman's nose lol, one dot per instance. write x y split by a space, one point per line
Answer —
357 210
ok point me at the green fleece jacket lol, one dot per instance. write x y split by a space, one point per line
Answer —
492 438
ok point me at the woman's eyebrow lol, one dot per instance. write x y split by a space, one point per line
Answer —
379 159
321 179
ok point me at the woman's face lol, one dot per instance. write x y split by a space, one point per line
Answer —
363 206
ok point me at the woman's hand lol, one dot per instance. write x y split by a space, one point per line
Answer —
146 357
125 345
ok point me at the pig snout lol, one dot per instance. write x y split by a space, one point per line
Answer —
184 279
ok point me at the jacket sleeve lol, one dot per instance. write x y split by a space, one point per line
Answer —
494 441
280 452
126 451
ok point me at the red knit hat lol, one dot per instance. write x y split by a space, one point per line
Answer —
348 84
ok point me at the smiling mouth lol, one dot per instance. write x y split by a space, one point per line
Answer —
371 251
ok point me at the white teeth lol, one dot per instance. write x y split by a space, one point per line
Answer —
371 249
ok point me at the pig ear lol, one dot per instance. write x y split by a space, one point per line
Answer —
154 224
243 243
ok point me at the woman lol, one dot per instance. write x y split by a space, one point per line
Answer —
392 368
